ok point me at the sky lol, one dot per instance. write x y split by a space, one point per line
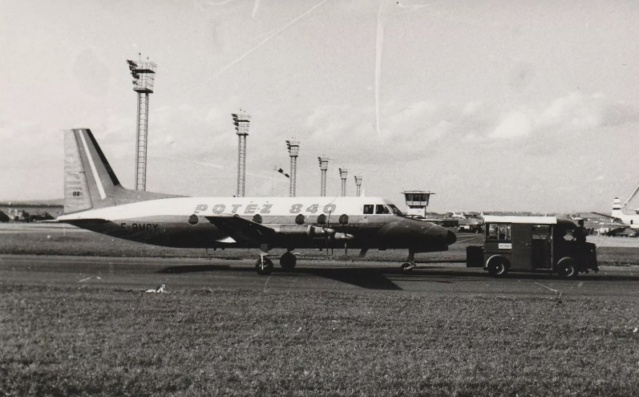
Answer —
493 105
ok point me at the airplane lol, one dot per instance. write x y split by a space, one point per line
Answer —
620 217
95 200
468 222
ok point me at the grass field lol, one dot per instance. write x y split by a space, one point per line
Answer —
76 341
92 340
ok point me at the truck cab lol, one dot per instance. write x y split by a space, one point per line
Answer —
532 243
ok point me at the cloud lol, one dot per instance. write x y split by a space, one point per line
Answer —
405 130
574 111
572 114
513 125
471 108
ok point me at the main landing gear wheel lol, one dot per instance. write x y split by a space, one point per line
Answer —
407 267
288 261
264 266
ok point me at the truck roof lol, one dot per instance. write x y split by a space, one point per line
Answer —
535 220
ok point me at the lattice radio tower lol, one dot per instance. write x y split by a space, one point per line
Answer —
343 174
358 184
293 151
241 121
143 78
323 164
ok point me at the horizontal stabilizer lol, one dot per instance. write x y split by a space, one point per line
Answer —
242 229
82 221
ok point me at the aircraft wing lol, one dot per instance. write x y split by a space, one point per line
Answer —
241 229
613 218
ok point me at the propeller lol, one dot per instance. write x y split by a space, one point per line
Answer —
328 235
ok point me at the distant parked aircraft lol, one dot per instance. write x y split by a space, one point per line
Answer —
619 216
95 200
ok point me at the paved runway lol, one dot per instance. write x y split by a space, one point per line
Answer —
365 277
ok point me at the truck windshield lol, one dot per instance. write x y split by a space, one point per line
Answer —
541 232
499 232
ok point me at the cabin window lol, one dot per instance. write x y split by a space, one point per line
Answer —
368 208
381 209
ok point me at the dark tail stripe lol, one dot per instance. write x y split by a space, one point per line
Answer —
107 166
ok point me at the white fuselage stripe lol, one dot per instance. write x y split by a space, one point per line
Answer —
93 169
242 206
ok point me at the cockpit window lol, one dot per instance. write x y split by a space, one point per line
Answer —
395 210
368 208
381 209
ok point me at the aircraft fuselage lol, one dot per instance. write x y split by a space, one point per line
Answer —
308 222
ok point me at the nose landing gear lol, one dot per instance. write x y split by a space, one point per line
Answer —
408 266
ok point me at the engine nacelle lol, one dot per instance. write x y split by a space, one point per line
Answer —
304 230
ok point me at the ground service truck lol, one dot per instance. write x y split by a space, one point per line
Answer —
532 243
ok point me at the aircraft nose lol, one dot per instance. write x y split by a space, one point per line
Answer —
450 238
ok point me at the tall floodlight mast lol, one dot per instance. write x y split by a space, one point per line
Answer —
143 78
241 121
323 163
293 151
358 184
343 173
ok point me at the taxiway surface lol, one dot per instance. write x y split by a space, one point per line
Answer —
184 274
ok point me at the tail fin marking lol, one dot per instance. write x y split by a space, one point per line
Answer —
96 177
76 189
89 179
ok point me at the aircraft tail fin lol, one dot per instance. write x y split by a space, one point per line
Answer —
616 208
89 180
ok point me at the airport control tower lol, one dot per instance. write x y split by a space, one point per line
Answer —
293 151
143 78
323 163
343 173
241 121
417 201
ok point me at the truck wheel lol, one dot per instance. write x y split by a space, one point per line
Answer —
497 267
567 269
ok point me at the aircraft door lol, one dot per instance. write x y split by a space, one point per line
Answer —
521 246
